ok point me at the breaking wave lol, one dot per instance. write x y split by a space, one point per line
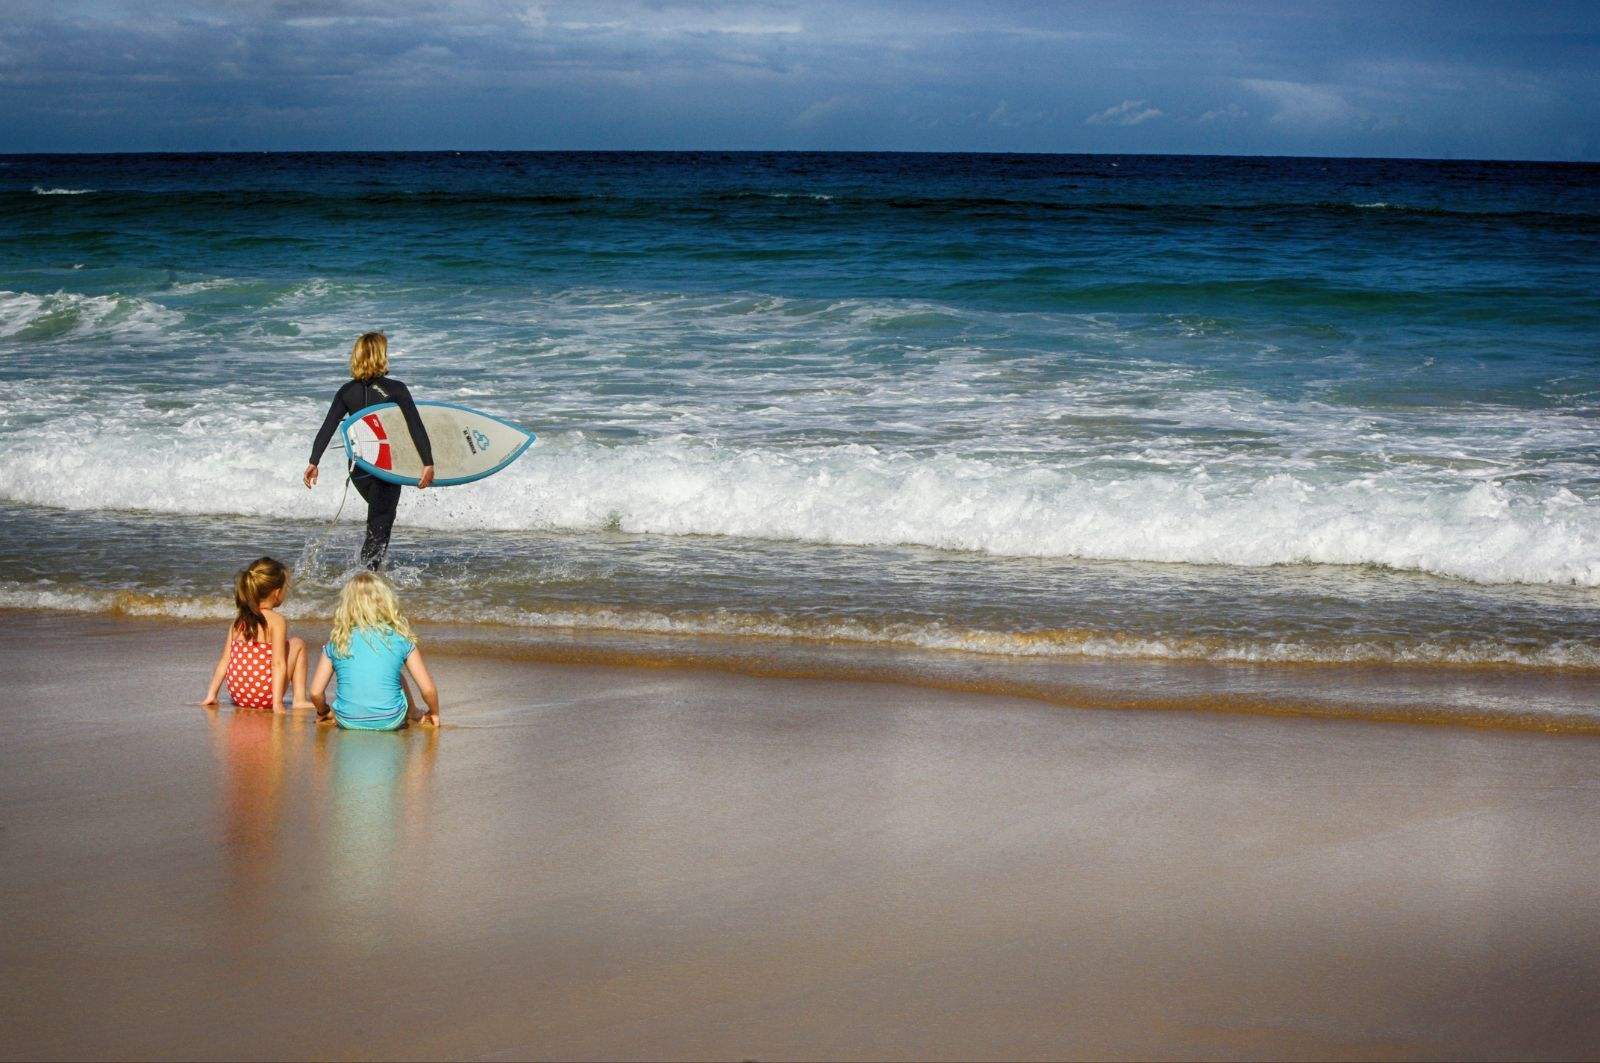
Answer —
1471 529
30 316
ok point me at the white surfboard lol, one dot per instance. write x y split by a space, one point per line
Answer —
467 444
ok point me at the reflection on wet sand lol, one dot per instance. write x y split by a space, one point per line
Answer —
253 751
362 794
370 790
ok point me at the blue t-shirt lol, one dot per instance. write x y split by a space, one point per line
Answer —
369 696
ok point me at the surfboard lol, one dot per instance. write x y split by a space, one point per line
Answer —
467 444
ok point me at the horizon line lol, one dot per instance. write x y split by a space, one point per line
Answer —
806 151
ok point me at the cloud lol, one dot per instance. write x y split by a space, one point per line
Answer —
1306 106
1004 116
665 20
1128 112
1231 113
821 110
939 75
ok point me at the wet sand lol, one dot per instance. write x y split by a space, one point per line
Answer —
596 862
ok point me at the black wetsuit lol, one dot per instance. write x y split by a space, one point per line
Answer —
383 497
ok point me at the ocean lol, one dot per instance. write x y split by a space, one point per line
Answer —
988 415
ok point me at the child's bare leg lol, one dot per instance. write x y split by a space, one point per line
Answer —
297 673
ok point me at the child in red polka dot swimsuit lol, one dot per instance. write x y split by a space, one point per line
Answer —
258 657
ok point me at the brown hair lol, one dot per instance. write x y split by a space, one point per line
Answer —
254 584
369 358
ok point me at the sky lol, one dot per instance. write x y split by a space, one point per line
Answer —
1400 78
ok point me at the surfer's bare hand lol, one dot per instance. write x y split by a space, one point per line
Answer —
424 480
311 476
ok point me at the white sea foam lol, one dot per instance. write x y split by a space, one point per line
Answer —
1103 645
858 496
28 315
61 191
1470 527
119 602
1098 645
196 287
780 422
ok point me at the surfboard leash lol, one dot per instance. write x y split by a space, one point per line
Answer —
315 549
349 475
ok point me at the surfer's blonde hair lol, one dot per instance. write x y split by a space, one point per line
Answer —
368 603
369 358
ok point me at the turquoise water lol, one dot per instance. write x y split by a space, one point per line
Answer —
1045 407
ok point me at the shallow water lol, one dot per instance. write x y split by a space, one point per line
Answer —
1054 407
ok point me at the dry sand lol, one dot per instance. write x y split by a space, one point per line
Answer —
592 862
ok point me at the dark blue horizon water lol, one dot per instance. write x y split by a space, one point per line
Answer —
1206 407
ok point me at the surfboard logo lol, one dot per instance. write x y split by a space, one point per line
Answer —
477 442
371 442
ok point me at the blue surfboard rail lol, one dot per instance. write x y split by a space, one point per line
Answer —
439 481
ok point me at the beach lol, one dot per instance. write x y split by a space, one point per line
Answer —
955 605
591 861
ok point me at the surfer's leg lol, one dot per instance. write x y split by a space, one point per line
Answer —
383 499
380 524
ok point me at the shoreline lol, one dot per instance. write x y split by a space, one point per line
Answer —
1485 696
1086 685
602 862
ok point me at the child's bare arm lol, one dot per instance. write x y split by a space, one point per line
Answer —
411 702
430 693
218 672
319 686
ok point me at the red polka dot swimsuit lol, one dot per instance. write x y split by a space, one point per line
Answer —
250 674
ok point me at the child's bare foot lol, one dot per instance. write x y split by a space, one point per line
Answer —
278 708
301 706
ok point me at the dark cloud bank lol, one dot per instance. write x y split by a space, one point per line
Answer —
1450 80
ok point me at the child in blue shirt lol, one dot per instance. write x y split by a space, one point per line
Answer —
371 646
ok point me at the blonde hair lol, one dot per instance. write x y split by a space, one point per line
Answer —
367 602
252 586
369 358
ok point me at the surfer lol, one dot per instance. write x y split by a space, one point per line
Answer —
370 384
